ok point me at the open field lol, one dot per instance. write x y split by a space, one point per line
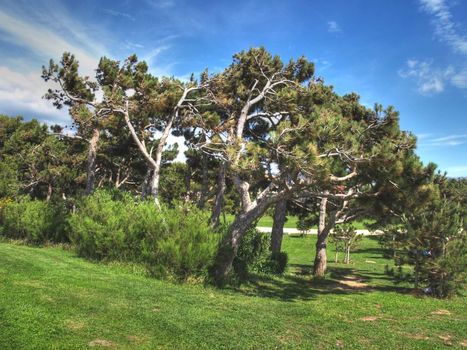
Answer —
51 299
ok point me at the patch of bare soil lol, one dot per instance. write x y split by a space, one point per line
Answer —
463 343
101 342
441 312
74 325
416 336
446 339
369 318
353 282
135 339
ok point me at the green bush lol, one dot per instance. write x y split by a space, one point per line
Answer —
254 255
276 263
172 242
34 221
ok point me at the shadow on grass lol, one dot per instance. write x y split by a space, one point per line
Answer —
300 285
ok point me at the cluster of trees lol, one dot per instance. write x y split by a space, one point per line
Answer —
262 134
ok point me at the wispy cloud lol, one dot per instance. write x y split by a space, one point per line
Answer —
423 136
161 4
21 87
45 43
429 79
333 27
459 79
129 45
444 141
152 55
21 93
445 28
119 14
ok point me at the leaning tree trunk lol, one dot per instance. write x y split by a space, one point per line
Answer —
91 166
219 201
319 267
277 233
231 242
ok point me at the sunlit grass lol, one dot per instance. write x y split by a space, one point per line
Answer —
51 299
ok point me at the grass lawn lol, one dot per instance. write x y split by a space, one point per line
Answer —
51 299
266 221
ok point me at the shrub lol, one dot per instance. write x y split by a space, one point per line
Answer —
34 221
97 227
186 246
254 255
172 242
276 263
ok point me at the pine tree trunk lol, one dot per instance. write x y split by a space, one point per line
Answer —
277 233
188 184
49 192
347 254
219 201
204 181
416 270
91 166
320 263
231 242
145 186
154 183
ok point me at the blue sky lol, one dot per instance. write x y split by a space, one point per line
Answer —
408 53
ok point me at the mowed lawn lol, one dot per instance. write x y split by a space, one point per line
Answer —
51 299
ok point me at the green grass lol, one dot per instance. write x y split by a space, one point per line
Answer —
267 220
51 299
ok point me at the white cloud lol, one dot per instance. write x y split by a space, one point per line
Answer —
445 28
129 45
459 79
444 141
333 27
430 80
21 86
423 136
23 92
44 43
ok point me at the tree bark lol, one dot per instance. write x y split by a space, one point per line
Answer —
320 263
231 241
277 233
91 166
219 201
188 184
49 192
154 182
204 181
